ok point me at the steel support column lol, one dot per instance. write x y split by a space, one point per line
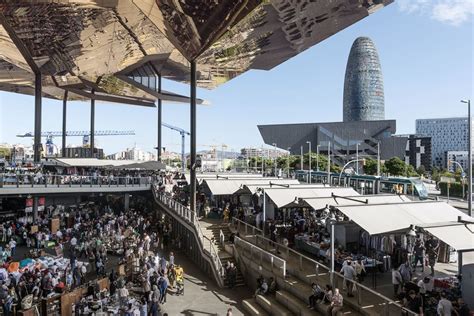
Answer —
38 109
193 137
160 145
63 148
92 140
469 143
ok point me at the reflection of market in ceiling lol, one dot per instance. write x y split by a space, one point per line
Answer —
85 45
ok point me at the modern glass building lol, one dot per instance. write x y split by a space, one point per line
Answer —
363 84
447 135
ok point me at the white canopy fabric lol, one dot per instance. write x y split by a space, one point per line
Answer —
252 188
229 187
282 197
320 203
202 176
385 218
460 237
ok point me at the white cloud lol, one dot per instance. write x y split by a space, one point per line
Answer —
454 12
412 6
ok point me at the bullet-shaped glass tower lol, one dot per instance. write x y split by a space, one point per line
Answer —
363 84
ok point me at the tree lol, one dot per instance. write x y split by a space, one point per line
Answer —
421 170
370 166
5 152
435 174
395 166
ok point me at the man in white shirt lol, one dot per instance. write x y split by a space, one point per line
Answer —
12 246
73 242
445 307
123 295
349 275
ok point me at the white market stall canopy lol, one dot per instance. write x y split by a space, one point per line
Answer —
201 176
321 203
253 188
230 186
282 197
386 218
459 236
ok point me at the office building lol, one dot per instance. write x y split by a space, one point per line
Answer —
134 153
250 152
447 134
418 151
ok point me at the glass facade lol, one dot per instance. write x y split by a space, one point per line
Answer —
447 135
363 84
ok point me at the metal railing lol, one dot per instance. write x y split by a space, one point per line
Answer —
35 181
244 227
366 298
277 264
206 245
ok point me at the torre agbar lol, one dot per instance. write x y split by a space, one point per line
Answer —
363 84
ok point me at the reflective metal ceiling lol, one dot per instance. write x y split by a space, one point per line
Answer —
85 44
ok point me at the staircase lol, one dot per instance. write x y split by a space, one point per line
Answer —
212 229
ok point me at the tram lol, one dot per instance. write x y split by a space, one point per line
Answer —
366 184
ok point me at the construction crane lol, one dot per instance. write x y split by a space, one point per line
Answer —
85 136
183 133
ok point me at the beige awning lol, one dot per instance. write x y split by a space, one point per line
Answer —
386 218
321 203
459 236
284 197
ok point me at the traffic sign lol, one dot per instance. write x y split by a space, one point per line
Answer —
447 180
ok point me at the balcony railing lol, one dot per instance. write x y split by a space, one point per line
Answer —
206 245
45 181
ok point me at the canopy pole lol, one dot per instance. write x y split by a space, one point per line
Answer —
159 105
63 148
38 110
91 140
460 253
193 137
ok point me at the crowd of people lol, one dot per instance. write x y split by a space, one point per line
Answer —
90 243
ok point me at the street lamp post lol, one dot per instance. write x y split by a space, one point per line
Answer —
302 161
317 157
469 137
309 158
288 161
378 159
357 158
343 168
329 163
274 158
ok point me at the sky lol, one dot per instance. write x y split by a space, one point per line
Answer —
426 53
